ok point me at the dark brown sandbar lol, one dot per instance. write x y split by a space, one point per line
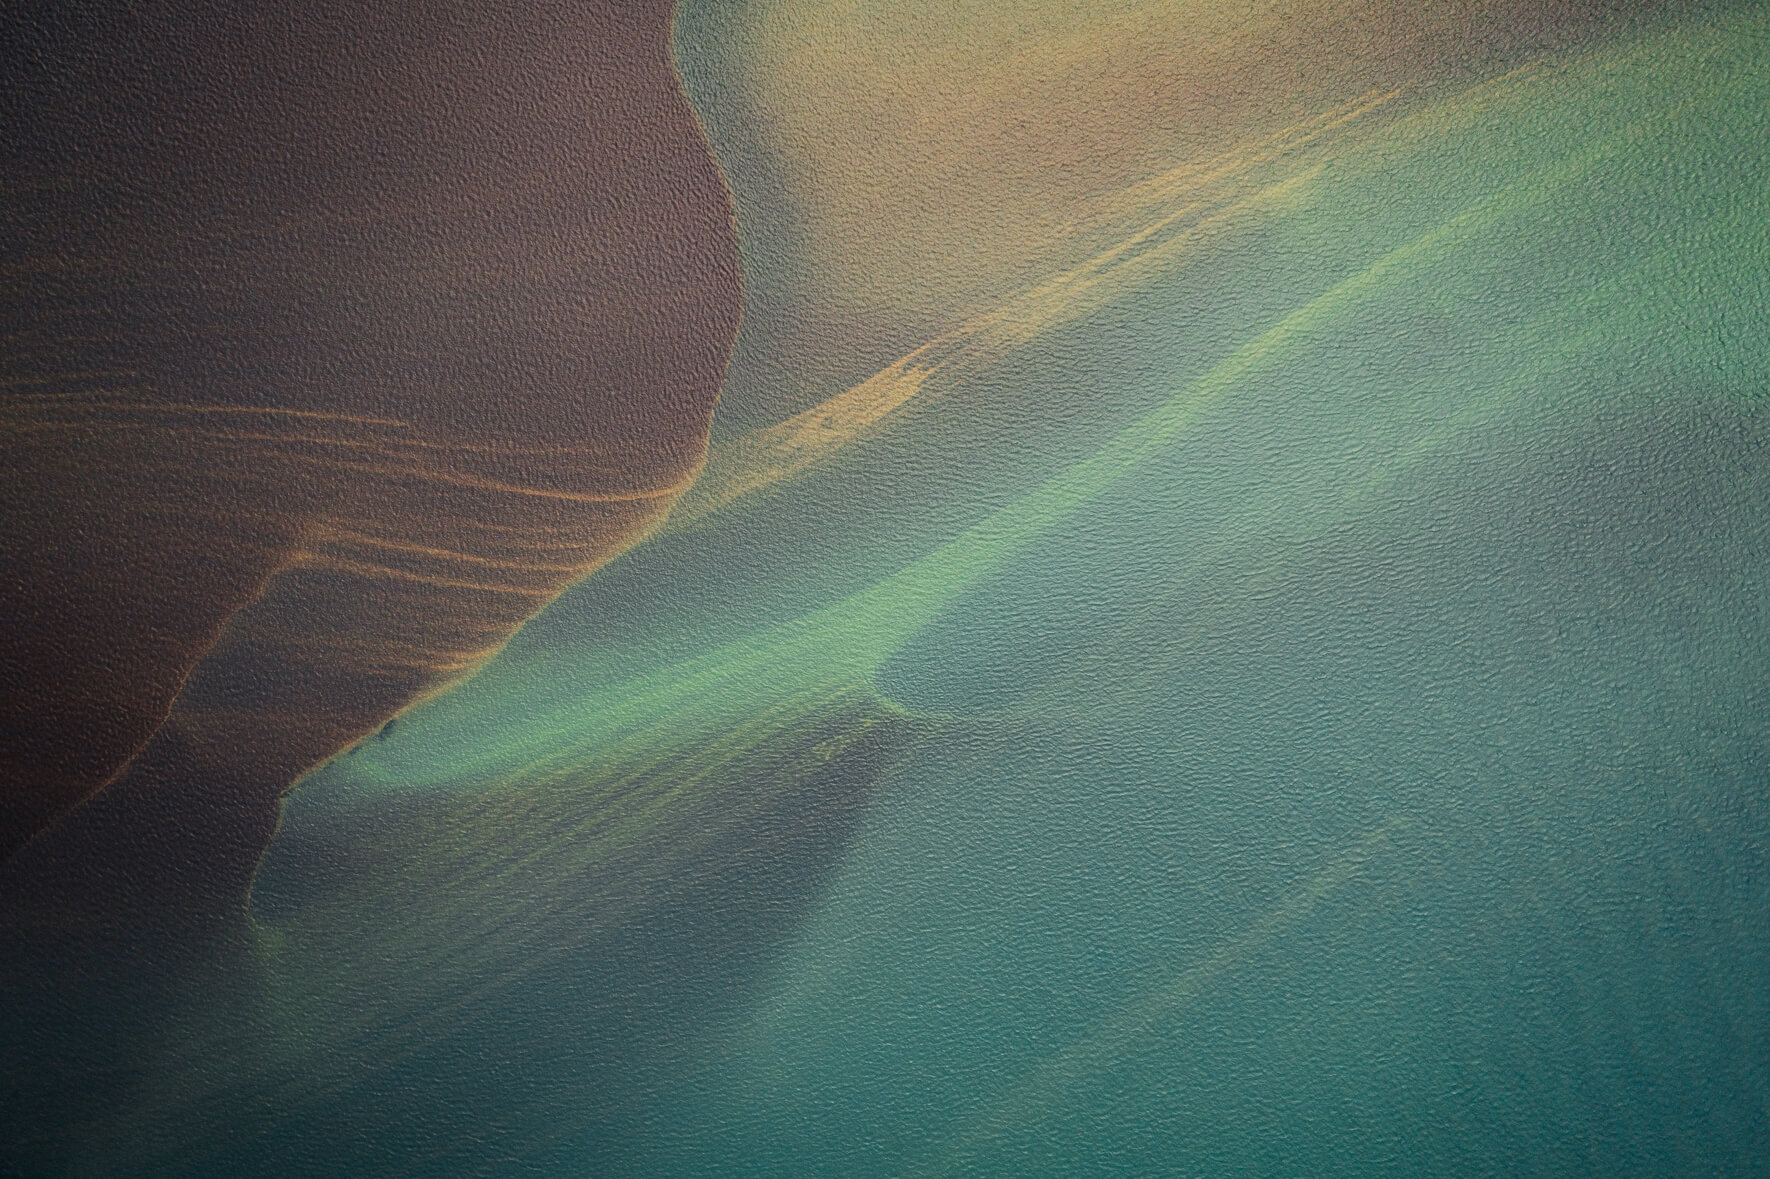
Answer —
337 341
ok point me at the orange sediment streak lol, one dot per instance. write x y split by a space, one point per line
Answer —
289 449
1155 220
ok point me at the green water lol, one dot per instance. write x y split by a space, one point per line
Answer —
1326 688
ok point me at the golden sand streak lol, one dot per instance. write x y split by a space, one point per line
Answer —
1176 209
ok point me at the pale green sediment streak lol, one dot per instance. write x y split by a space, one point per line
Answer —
838 647
1108 1040
1545 354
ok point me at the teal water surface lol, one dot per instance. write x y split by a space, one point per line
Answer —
1303 712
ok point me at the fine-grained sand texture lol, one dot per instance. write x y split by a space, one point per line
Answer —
336 344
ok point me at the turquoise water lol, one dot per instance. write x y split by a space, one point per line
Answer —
1303 713
1109 926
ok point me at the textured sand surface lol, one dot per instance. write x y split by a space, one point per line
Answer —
337 343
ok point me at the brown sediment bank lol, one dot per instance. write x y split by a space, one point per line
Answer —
337 342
